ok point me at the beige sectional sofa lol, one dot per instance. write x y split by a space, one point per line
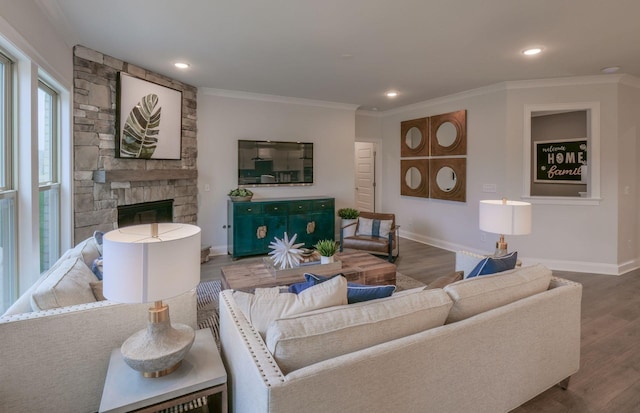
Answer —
56 360
486 344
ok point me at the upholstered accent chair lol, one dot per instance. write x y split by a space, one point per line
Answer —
373 232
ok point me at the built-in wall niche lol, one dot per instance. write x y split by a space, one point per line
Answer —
562 152
439 143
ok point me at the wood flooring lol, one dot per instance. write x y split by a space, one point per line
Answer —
609 376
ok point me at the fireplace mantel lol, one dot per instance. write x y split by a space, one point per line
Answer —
136 175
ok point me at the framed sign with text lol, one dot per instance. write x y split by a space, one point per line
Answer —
561 161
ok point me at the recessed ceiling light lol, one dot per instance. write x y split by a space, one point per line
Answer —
181 65
391 94
532 51
374 108
610 69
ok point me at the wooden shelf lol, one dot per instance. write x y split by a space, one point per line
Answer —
135 175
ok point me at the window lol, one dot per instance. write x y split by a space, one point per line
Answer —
8 218
48 181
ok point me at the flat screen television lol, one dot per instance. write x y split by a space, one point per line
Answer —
274 163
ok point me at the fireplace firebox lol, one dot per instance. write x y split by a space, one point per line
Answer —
145 213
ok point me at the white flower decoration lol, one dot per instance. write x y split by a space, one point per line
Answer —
285 253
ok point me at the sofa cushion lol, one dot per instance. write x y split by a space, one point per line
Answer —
88 250
268 304
374 227
23 303
476 295
355 292
98 290
492 265
68 284
303 339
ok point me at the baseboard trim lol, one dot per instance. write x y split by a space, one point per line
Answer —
557 265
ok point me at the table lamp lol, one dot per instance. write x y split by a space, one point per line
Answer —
150 263
505 218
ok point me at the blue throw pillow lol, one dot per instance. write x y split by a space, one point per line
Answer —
492 265
300 287
355 292
96 267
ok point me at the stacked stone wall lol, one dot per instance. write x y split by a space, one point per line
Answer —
94 134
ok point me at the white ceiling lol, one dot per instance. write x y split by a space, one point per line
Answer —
352 51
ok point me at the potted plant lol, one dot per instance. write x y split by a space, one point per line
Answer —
326 248
240 194
348 219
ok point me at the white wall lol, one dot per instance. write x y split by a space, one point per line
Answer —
450 225
566 237
223 119
24 24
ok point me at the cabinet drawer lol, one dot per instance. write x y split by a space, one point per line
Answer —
323 205
247 209
299 207
276 208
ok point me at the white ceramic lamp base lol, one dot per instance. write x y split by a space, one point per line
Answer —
158 350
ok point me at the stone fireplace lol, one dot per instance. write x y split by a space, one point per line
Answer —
103 183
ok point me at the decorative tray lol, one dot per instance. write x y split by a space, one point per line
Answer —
309 266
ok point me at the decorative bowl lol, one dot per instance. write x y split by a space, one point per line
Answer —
240 198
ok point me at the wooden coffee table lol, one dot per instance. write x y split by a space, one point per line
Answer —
358 267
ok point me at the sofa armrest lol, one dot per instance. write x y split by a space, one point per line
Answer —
57 359
251 369
349 225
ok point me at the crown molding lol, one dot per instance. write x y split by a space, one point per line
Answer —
623 79
277 99
370 113
563 81
629 80
497 87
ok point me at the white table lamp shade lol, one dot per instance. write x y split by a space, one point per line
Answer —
505 217
139 268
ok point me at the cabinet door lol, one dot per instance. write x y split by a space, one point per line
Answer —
324 220
275 221
301 222
248 229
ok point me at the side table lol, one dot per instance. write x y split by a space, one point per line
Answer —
201 374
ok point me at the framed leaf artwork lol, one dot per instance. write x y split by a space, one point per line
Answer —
149 120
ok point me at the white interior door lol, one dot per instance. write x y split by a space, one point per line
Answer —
365 176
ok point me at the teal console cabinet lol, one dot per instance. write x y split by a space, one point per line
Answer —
253 225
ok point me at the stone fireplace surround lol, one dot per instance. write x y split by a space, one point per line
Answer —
103 182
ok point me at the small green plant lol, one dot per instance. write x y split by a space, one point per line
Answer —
326 247
240 192
348 213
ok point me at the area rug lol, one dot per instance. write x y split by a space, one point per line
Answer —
208 292
207 315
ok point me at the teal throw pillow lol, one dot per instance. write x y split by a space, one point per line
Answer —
493 265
